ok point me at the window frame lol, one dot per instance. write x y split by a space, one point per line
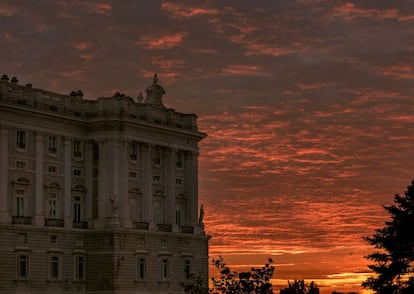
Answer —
52 145
55 265
77 265
77 151
141 272
21 140
165 271
20 277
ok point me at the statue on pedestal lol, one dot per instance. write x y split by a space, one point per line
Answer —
114 202
200 219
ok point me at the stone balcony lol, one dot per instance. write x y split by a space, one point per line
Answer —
21 220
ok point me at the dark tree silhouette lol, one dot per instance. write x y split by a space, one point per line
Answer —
394 258
196 285
255 281
300 287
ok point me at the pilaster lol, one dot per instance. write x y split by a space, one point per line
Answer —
147 184
192 186
102 192
170 187
4 140
67 186
124 211
89 181
38 205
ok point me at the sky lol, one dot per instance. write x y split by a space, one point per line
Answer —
308 106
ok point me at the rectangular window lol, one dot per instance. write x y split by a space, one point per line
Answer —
21 164
22 267
77 209
52 169
156 156
52 145
80 265
77 149
133 152
77 172
165 269
54 267
157 179
133 175
186 269
179 181
141 268
179 160
20 139
52 203
20 199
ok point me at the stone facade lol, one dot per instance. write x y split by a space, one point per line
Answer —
97 196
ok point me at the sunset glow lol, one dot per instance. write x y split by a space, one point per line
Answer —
308 106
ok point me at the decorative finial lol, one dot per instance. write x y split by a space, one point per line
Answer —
155 79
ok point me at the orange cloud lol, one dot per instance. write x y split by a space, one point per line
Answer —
161 42
399 71
246 70
82 45
181 11
350 11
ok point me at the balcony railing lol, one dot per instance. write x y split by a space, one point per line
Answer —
80 224
22 220
164 227
54 222
187 229
141 225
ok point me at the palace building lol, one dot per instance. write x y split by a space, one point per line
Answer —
98 196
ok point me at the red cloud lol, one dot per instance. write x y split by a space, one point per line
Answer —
82 45
161 42
181 11
349 11
246 70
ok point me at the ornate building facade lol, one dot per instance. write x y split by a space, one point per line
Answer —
97 196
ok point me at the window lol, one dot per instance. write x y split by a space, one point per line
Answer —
53 239
141 268
133 152
165 269
20 201
21 164
54 267
179 181
22 267
80 265
157 179
164 243
179 160
77 209
77 172
52 169
52 204
186 269
178 217
156 156
140 241
77 149
20 139
52 145
133 175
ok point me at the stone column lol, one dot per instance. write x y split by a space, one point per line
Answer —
192 187
4 157
67 186
39 217
170 187
102 188
147 210
124 211
89 181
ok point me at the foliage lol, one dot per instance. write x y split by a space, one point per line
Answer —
394 258
196 285
255 281
300 287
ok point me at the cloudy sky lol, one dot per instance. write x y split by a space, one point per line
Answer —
308 105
